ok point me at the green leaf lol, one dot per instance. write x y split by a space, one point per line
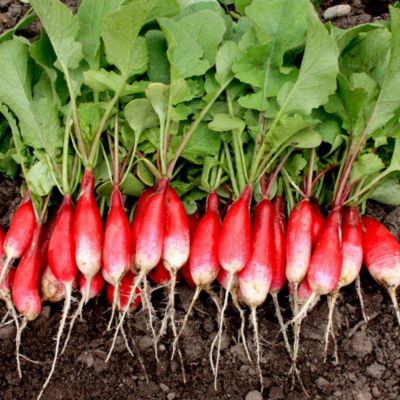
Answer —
317 77
225 122
91 13
158 94
39 179
388 192
102 80
140 115
158 70
132 186
366 164
295 165
119 31
226 56
306 139
62 28
395 161
38 120
389 98
180 91
193 42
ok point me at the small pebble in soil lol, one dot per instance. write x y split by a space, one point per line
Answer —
376 392
254 395
361 344
171 396
375 370
363 395
338 11
164 387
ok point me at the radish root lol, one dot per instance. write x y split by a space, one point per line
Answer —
257 342
77 313
135 285
220 328
20 329
114 306
86 295
185 320
392 293
150 310
67 305
281 323
4 268
361 298
329 327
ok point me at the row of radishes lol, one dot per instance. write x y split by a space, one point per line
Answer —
257 254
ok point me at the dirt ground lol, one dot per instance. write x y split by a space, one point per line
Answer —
369 358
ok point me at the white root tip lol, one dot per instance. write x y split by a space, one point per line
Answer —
282 324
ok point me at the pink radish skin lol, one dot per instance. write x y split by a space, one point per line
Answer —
304 292
222 279
318 223
326 262
51 289
235 235
381 253
96 285
124 292
255 278
117 241
279 270
140 207
352 246
88 234
194 220
62 263
159 274
204 262
149 243
176 244
25 289
299 241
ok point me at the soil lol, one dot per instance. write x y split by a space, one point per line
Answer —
369 360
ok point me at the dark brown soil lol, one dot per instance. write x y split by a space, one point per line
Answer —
369 361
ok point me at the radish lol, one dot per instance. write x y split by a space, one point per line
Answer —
148 247
204 264
351 264
117 244
279 263
159 275
62 262
25 287
88 235
317 222
233 251
124 293
382 257
19 235
194 220
96 286
51 288
255 278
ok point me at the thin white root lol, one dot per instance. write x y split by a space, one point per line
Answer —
114 306
257 342
329 327
242 325
4 319
67 305
303 311
77 313
185 320
20 329
86 295
392 293
214 297
150 310
210 354
282 324
221 326
137 352
4 268
135 285
361 298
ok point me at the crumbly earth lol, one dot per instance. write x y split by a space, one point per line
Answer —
369 360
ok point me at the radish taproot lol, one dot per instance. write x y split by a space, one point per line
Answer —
255 278
381 252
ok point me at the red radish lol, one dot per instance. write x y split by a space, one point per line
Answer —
88 233
124 293
51 288
19 235
140 207
233 251
96 287
62 262
255 278
159 275
351 263
148 246
25 286
117 244
204 264
382 257
194 220
317 223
